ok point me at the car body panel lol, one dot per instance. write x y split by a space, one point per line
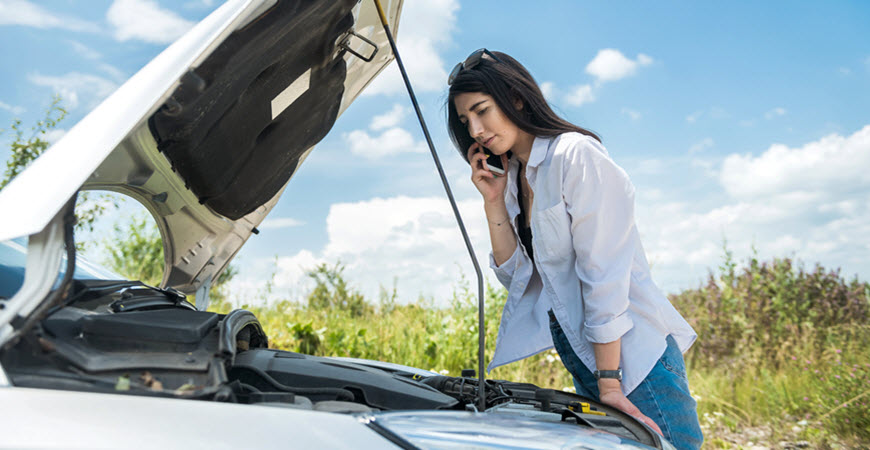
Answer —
62 419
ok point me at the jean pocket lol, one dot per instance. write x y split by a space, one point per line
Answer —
672 360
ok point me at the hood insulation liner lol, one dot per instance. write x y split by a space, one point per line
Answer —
220 129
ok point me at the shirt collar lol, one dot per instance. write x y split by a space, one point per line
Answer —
539 151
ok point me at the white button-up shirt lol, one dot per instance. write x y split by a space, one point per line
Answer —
589 266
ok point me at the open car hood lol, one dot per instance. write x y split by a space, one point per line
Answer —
207 135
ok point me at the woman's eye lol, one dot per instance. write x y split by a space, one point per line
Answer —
483 111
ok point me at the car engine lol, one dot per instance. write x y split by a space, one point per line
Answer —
128 338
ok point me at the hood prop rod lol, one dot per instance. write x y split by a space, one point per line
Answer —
480 325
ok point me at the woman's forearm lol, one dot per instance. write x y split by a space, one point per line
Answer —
501 233
607 358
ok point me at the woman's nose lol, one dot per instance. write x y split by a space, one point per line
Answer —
475 130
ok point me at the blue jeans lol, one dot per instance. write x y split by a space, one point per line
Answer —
663 395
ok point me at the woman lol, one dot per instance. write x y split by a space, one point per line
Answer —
565 245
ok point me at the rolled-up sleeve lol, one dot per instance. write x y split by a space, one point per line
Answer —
600 200
505 272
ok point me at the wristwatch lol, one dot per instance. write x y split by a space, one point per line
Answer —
599 374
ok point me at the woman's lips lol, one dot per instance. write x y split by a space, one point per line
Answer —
488 141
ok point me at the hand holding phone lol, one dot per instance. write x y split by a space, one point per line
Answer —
493 162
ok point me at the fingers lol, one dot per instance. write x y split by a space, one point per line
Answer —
650 423
478 167
472 150
621 402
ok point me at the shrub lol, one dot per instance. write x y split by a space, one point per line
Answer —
769 306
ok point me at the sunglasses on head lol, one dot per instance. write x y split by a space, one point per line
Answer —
471 62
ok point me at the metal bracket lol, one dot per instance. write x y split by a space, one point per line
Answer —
345 44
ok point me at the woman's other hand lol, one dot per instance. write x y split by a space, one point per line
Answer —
613 396
490 185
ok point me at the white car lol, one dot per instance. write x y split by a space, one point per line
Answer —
206 136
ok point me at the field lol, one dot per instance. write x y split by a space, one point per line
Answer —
782 359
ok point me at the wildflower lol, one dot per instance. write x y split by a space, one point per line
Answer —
808 362
837 377
794 358
847 420
838 350
806 398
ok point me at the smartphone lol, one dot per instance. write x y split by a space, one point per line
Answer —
493 163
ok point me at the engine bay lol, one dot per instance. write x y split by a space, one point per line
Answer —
127 338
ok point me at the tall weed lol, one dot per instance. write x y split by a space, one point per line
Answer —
779 346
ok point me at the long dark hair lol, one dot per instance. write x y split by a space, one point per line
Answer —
506 81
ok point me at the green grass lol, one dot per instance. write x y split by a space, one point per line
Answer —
767 361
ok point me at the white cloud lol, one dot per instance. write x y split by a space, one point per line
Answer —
76 88
714 112
425 29
631 113
13 109
54 135
389 119
412 240
279 222
199 4
391 142
548 88
145 20
645 166
808 202
701 146
610 65
112 71
291 270
21 12
580 95
775 112
88 53
84 51
845 71
833 163
415 240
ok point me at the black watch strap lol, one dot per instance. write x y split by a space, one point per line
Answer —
617 374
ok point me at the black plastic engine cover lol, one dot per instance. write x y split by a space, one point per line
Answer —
218 129
373 387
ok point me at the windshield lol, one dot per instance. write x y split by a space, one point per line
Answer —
13 259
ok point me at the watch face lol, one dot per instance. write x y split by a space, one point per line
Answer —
617 374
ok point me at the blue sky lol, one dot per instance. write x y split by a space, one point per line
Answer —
746 121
